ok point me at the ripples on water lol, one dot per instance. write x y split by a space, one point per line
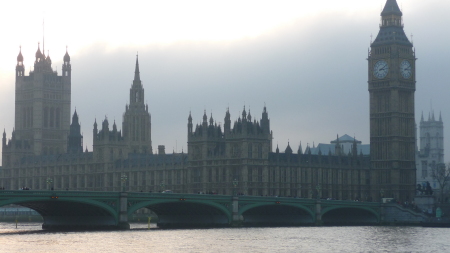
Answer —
29 237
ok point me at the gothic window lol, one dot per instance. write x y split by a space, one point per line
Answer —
24 117
250 151
260 151
52 117
143 128
57 118
260 177
137 96
169 177
250 174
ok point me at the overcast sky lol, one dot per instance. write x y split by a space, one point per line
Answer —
305 60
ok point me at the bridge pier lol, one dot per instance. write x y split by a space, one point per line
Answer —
123 212
236 218
318 213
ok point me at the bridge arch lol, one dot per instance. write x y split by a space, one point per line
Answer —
349 215
69 213
186 213
267 214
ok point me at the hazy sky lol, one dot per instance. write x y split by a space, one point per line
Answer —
306 60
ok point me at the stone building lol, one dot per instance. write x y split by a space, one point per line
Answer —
233 158
431 149
392 84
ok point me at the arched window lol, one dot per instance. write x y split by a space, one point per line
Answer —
57 118
52 117
46 117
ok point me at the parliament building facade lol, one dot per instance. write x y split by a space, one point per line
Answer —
45 150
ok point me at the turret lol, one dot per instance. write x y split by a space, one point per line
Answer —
20 69
265 122
4 139
205 120
190 123
227 124
75 139
67 67
95 128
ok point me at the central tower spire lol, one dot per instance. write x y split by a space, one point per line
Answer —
136 70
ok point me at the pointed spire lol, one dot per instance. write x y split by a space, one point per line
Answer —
277 150
432 116
136 70
288 149
211 120
205 118
38 52
75 117
66 56
300 149
20 56
391 8
421 118
440 116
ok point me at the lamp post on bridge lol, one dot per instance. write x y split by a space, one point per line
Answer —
318 188
162 186
381 195
124 179
49 182
235 184
299 190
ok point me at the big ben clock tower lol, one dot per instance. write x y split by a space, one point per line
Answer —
392 83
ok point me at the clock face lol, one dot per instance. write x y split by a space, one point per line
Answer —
381 69
405 69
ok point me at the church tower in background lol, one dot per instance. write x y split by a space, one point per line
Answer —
392 83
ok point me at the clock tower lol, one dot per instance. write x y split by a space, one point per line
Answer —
392 83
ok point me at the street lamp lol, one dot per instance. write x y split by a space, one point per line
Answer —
318 188
235 184
162 186
49 182
124 179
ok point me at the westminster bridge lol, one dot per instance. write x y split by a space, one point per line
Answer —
101 210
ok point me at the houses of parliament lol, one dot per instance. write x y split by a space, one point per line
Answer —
45 149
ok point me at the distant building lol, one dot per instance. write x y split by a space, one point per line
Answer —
431 150
345 143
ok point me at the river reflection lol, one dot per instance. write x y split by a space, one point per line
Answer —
28 237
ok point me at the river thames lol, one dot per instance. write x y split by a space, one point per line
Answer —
28 237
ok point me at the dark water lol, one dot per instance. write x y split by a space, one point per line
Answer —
28 237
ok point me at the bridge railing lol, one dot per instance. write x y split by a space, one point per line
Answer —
59 193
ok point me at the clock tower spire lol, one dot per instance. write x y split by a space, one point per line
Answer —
392 83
